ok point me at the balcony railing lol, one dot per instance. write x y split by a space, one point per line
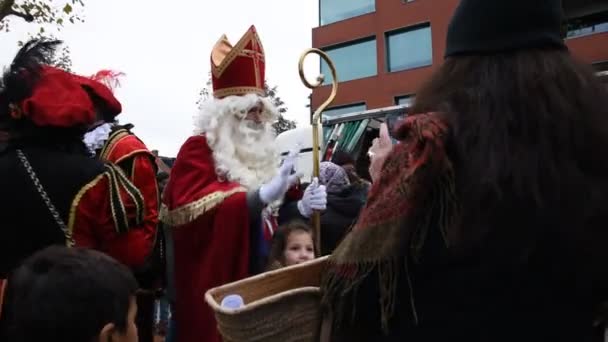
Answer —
586 29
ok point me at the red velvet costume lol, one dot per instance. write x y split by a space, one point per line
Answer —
210 234
126 151
118 145
209 215
131 154
93 222
95 201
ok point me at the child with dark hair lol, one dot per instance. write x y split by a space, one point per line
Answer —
292 244
70 294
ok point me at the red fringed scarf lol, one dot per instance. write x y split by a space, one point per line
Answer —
416 179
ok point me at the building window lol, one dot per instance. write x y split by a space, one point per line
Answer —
589 24
340 110
407 100
409 48
335 10
353 60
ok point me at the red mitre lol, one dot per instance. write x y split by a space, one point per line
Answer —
238 69
61 99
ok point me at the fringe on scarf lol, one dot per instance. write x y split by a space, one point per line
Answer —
342 281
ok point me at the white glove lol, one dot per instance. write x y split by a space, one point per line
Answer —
315 198
276 188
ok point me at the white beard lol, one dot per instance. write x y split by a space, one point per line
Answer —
243 151
254 160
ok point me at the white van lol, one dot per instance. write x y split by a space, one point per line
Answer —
288 140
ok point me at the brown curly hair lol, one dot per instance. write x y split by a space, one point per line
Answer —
279 242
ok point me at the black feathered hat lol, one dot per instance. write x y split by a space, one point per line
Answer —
47 96
490 26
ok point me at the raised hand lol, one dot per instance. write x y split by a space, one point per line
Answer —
381 147
276 188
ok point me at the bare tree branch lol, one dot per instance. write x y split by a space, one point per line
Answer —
6 9
25 16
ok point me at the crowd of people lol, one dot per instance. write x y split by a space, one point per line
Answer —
484 222
84 181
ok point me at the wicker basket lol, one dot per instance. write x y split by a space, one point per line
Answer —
281 305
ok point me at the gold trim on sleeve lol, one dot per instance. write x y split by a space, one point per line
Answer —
191 211
133 154
109 146
76 201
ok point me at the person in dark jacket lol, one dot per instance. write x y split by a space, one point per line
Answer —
487 222
58 195
360 185
343 205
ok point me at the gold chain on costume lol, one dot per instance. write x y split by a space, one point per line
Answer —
47 200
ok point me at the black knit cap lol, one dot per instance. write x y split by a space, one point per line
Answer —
490 26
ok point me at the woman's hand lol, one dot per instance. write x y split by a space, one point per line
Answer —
381 147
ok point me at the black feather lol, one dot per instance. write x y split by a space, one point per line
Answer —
20 77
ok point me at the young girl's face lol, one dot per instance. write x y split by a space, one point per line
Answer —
299 248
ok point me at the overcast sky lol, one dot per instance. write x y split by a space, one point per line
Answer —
164 50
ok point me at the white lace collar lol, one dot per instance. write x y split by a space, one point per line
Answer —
96 138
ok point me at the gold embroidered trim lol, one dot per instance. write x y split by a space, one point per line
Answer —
108 148
121 181
115 193
238 91
131 154
76 201
249 52
191 211
257 57
132 175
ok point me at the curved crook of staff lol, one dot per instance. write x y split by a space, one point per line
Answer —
316 120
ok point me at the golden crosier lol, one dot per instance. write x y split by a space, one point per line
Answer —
316 120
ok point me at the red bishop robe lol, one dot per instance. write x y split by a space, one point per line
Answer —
211 232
